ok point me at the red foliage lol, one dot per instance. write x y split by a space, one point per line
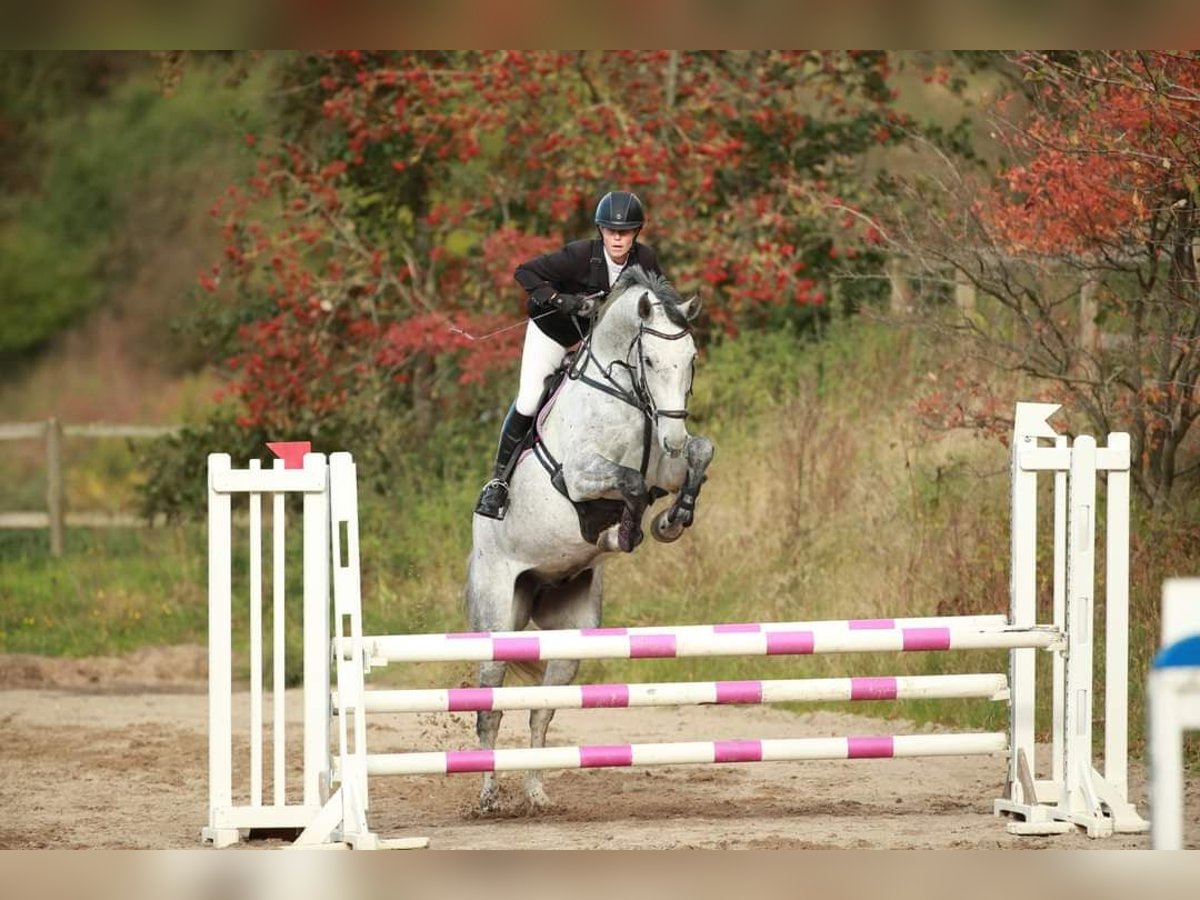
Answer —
386 238
1103 189
1104 156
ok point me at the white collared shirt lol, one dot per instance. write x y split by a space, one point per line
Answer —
614 270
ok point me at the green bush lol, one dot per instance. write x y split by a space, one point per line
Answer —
65 237
46 283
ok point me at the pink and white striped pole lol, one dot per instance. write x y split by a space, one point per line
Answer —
880 624
596 696
687 753
679 643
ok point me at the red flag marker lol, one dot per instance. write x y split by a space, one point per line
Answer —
291 452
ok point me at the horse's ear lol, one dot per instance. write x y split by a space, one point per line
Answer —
644 306
691 307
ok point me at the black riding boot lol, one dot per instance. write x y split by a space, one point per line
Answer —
493 500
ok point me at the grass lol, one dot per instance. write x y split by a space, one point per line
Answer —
112 592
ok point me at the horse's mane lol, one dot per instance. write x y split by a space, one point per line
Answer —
636 276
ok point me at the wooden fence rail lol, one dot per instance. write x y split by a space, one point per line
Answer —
54 516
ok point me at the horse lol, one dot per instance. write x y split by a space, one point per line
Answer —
610 441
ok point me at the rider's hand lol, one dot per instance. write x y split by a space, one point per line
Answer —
573 304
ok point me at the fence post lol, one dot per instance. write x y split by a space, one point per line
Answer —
901 296
54 484
1089 337
964 293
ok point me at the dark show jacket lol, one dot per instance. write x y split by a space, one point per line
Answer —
578 268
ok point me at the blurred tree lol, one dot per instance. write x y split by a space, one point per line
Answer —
102 177
44 269
1084 251
37 87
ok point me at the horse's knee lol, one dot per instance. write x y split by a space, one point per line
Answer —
632 486
700 451
491 673
563 671
558 671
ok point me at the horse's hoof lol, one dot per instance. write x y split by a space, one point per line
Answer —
489 801
629 529
629 540
539 801
665 531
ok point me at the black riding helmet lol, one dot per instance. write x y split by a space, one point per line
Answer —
620 211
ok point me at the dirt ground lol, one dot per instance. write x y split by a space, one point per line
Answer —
112 753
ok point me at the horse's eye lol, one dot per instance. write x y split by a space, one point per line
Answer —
649 363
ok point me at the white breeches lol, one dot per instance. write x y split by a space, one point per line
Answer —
540 357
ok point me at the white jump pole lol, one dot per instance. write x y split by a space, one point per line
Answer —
1076 794
220 660
1116 624
1029 425
231 814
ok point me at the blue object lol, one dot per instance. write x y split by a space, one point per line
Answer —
1180 654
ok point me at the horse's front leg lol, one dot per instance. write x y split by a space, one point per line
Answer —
558 671
668 525
594 476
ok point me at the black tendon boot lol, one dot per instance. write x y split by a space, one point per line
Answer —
493 499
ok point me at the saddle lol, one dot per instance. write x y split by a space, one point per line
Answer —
595 516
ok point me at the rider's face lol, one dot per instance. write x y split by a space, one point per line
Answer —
618 243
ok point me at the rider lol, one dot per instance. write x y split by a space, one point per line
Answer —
561 286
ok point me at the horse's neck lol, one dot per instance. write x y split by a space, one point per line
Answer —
608 364
610 345
585 406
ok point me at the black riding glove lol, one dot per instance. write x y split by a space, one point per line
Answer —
573 304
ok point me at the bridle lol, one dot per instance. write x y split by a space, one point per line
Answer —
639 395
640 388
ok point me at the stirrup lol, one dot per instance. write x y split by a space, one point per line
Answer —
493 500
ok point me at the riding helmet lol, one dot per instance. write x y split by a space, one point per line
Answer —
620 211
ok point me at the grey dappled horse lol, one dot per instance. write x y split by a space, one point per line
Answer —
617 428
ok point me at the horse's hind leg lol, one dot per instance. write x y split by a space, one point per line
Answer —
575 604
487 727
558 671
494 603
